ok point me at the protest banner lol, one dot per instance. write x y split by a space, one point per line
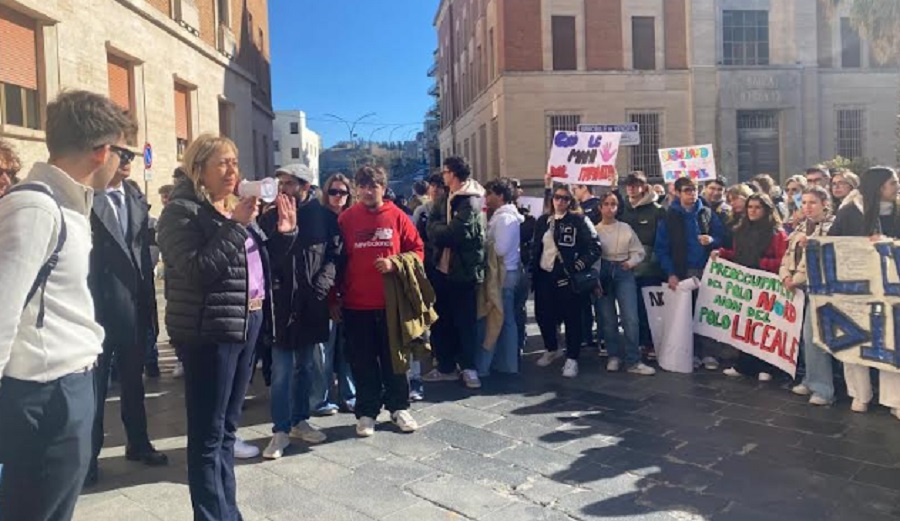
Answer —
586 158
697 162
669 317
752 311
535 205
854 293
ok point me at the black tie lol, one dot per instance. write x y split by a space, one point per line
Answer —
118 199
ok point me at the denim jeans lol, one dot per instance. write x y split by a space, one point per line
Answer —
819 377
329 359
292 373
622 290
504 357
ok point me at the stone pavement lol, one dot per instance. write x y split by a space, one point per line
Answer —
538 447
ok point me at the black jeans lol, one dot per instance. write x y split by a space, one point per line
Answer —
369 354
45 446
129 362
554 304
215 382
454 335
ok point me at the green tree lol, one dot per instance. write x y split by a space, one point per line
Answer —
877 21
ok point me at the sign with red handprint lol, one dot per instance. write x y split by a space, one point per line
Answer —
584 157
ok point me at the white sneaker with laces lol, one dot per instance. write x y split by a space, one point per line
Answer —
549 357
178 370
711 364
243 450
570 369
405 421
365 427
765 377
470 378
859 406
306 432
613 365
818 400
642 369
732 372
280 442
801 390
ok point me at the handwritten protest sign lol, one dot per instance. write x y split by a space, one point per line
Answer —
587 158
752 311
854 291
697 162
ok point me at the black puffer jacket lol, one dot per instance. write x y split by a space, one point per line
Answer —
577 246
644 218
206 270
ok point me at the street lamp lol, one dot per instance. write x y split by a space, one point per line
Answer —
372 134
351 126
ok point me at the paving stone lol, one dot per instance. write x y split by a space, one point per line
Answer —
527 512
459 495
304 467
671 498
465 415
478 468
348 453
543 491
466 437
317 508
813 461
588 505
362 493
521 429
810 425
537 459
425 511
415 447
395 470
887 477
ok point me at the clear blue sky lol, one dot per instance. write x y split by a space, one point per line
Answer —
352 57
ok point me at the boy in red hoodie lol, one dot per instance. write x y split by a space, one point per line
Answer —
374 230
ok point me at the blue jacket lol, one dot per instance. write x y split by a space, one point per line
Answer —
696 254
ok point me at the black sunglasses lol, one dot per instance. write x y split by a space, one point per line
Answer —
338 192
565 198
125 155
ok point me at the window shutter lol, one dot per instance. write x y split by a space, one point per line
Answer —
181 113
18 57
119 81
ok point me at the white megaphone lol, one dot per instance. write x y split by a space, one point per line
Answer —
266 189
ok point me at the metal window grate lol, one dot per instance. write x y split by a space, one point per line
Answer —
851 131
559 122
745 37
645 157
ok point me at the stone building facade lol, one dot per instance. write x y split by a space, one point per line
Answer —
182 67
774 85
295 142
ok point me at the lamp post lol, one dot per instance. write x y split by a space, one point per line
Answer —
351 126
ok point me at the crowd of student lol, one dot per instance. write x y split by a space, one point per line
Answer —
345 294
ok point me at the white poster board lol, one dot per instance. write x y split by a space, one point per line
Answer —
586 158
697 162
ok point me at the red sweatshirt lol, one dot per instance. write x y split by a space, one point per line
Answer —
368 236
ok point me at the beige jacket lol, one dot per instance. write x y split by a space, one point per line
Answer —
793 264
490 297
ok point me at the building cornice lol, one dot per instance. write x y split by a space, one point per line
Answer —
440 11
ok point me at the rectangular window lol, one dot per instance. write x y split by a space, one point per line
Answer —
565 57
643 42
119 73
492 71
466 151
225 119
295 128
851 46
851 132
277 145
19 95
224 12
559 122
262 40
745 38
182 118
473 162
645 156
295 153
266 156
483 152
495 148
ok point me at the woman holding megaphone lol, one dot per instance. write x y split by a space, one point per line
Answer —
217 284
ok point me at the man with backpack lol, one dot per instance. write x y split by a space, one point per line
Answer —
49 340
684 240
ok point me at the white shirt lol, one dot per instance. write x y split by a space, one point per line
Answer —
71 339
504 231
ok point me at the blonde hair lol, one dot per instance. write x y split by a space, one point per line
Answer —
337 178
195 158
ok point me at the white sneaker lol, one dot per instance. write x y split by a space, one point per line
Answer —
818 400
859 406
434 376
642 369
765 377
613 365
801 390
570 369
732 372
549 357
711 364
306 432
178 370
365 427
405 421
275 450
470 378
243 450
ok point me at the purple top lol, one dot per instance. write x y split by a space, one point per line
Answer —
256 287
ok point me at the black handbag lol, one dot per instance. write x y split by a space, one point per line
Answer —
581 282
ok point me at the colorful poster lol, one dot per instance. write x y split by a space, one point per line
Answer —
752 311
854 293
586 158
697 162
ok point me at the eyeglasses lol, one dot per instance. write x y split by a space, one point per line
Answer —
563 198
337 192
125 155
